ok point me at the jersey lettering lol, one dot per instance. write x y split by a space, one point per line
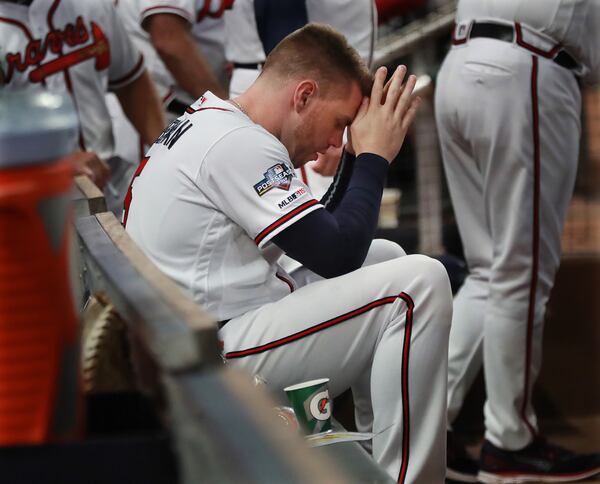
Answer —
173 132
72 35
214 12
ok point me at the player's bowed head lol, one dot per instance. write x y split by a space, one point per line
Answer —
314 84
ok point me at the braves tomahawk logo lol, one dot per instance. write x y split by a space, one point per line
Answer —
72 35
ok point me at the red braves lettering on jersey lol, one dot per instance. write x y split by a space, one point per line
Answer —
211 12
74 34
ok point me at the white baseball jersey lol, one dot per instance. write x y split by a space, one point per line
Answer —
212 193
510 159
205 18
572 23
229 198
74 46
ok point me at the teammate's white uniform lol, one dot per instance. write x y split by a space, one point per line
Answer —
206 20
74 46
214 192
356 19
508 118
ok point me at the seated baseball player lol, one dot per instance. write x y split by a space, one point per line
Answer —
216 202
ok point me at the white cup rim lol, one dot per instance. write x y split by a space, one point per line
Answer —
306 384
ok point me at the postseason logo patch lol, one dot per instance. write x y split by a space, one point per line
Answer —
278 176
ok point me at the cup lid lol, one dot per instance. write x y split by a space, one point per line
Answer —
306 384
35 126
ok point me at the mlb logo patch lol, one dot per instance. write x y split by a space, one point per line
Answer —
278 176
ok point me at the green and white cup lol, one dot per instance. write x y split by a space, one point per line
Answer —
310 400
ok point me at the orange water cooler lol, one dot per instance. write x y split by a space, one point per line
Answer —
39 377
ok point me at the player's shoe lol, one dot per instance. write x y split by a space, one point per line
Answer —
540 461
459 466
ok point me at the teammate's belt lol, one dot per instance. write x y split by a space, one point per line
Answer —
510 33
257 66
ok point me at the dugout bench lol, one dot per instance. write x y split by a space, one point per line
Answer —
220 427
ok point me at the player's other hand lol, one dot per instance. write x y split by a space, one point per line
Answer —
382 121
327 163
88 163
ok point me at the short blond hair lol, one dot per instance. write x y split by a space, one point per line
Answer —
321 52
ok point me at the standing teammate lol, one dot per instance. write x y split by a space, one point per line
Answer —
508 115
81 48
255 27
182 42
217 202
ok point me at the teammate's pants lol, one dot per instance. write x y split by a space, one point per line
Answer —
381 330
509 129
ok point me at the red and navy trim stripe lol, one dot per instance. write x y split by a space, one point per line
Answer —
133 73
410 305
286 280
550 54
191 110
279 222
345 317
535 242
166 9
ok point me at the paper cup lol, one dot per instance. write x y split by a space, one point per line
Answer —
311 403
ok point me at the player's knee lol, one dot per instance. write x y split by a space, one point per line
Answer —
436 278
382 250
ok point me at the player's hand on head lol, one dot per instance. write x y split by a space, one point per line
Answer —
327 163
87 163
382 121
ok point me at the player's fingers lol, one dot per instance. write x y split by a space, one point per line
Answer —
396 88
404 102
386 88
101 171
377 89
410 114
362 109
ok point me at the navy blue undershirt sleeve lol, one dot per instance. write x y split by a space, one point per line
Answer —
335 243
338 187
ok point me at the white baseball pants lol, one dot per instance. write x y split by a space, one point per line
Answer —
509 129
381 330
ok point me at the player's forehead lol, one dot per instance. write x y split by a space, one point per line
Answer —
346 102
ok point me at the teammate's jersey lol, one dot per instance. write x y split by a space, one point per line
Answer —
205 19
356 19
214 191
573 23
69 45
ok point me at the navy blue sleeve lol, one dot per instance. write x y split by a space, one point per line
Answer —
341 180
275 19
335 243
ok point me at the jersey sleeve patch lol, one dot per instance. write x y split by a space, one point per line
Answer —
277 176
247 174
